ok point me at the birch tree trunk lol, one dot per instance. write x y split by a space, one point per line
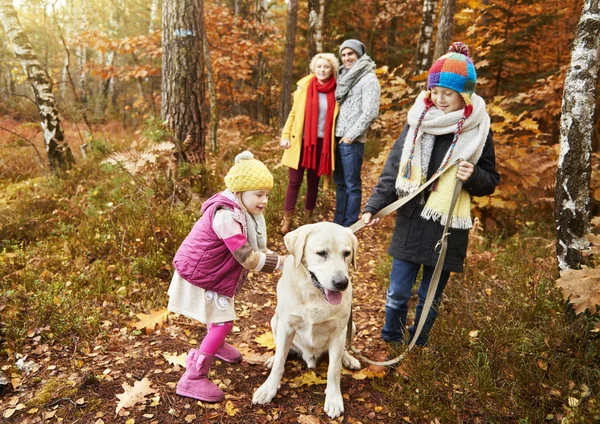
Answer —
82 56
423 57
59 153
572 197
290 45
316 14
443 37
182 74
153 15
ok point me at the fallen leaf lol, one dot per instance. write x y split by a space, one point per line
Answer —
266 340
149 321
8 412
253 357
308 419
176 359
190 418
135 394
307 379
366 373
230 408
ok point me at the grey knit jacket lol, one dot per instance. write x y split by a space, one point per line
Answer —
360 109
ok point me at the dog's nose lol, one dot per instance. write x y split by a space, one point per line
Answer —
340 282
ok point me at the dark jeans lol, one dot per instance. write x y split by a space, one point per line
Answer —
402 279
348 185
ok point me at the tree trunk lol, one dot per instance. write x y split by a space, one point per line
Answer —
443 38
153 15
82 57
212 93
290 44
316 14
572 197
182 74
59 153
423 57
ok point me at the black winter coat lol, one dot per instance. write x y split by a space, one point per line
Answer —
415 238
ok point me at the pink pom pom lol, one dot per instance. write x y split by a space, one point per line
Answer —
459 47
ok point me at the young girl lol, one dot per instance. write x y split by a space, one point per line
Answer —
211 266
446 122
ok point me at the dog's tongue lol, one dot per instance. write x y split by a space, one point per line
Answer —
333 297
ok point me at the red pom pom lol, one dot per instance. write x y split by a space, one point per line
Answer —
428 102
459 47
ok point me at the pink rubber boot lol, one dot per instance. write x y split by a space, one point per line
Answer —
195 383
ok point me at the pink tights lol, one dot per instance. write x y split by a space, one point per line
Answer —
215 337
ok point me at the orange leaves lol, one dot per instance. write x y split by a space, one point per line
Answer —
148 322
582 288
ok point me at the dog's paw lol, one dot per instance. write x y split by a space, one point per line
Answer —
269 362
350 362
264 394
334 405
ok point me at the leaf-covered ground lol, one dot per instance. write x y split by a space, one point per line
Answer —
130 375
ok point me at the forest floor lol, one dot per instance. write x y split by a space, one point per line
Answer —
85 336
123 357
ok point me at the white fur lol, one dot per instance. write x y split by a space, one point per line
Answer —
304 321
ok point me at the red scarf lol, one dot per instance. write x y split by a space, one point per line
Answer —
311 124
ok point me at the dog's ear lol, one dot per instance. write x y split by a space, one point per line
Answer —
295 241
354 248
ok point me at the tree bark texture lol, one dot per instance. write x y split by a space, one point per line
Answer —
59 153
316 14
212 93
572 197
182 74
423 56
443 38
290 44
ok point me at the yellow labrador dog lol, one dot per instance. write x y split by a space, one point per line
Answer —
314 297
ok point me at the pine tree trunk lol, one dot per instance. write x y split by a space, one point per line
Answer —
182 74
59 153
316 14
572 197
290 45
443 37
423 56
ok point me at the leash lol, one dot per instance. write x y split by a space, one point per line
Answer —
437 272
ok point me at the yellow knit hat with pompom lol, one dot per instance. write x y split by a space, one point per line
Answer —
248 174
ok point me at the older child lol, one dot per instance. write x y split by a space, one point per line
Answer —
211 266
446 122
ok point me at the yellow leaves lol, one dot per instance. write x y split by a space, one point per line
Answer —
231 409
307 379
581 287
365 373
266 340
148 322
530 125
134 395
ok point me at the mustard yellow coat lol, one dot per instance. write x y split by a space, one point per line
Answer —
294 126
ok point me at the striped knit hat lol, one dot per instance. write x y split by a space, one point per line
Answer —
248 174
454 70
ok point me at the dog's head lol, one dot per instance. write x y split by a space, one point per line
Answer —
326 250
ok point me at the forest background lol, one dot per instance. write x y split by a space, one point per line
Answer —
86 250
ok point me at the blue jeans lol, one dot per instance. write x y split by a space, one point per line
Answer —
348 185
402 279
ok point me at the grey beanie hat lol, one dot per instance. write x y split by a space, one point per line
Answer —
355 45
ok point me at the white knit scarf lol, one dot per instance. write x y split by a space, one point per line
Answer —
468 147
254 226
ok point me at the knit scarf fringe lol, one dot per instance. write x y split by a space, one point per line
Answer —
470 136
